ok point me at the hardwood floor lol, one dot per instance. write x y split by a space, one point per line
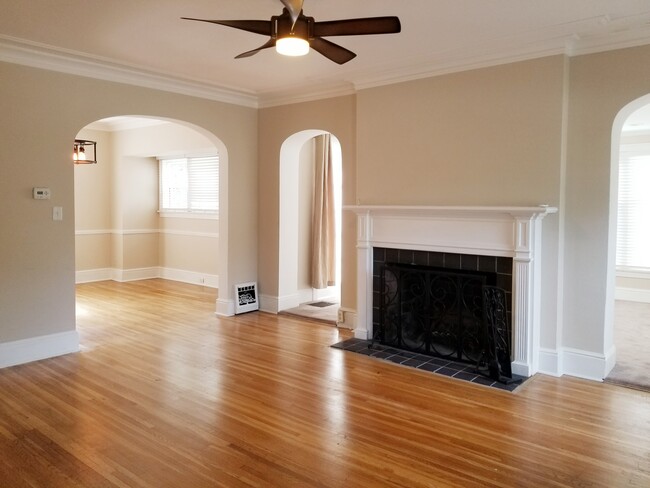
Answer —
165 394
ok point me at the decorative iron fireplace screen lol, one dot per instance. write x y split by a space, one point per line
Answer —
433 311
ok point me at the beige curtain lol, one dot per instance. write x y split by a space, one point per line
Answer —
323 259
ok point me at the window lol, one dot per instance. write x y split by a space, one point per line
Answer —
189 185
633 232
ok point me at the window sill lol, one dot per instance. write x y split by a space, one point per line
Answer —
638 273
188 215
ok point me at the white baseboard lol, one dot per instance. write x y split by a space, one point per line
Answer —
292 301
274 304
550 362
610 361
576 362
135 274
225 308
363 334
324 293
37 348
586 364
92 275
192 277
306 295
122 275
521 369
269 304
632 294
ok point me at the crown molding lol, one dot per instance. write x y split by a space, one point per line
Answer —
547 43
300 95
571 47
36 55
619 40
552 42
438 69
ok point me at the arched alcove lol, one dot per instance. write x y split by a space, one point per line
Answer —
289 295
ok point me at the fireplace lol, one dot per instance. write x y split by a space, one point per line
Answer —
484 234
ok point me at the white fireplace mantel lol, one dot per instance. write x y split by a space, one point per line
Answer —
488 231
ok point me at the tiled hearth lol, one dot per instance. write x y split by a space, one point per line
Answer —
452 369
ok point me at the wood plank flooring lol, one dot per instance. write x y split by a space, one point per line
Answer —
165 394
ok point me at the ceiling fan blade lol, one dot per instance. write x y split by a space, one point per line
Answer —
269 43
263 27
294 7
358 27
331 51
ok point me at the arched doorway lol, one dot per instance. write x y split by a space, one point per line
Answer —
627 323
120 233
293 287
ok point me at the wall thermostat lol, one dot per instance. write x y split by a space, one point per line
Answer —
41 193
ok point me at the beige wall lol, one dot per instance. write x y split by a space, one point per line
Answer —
42 113
137 193
483 137
190 245
194 253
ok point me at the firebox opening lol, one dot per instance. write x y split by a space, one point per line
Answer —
434 303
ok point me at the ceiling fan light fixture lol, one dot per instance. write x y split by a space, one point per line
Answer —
292 46
295 34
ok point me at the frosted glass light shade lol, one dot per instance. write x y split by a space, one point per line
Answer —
292 46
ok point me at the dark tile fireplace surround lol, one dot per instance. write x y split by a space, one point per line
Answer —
459 335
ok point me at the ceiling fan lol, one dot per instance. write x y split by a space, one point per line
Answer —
292 33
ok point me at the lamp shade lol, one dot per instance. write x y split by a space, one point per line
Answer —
292 46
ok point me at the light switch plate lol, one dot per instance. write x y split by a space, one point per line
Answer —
57 213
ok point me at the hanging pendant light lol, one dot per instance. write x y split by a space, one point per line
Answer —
79 155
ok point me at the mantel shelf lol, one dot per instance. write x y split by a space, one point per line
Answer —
456 210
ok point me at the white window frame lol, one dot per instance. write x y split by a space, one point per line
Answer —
192 185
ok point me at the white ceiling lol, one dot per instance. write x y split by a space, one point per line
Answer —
145 42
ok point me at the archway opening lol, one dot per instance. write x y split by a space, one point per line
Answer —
121 233
627 321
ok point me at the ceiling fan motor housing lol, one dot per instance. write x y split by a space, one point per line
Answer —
283 26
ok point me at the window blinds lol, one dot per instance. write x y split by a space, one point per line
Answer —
633 231
189 184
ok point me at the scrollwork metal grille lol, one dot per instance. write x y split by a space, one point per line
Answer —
432 311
